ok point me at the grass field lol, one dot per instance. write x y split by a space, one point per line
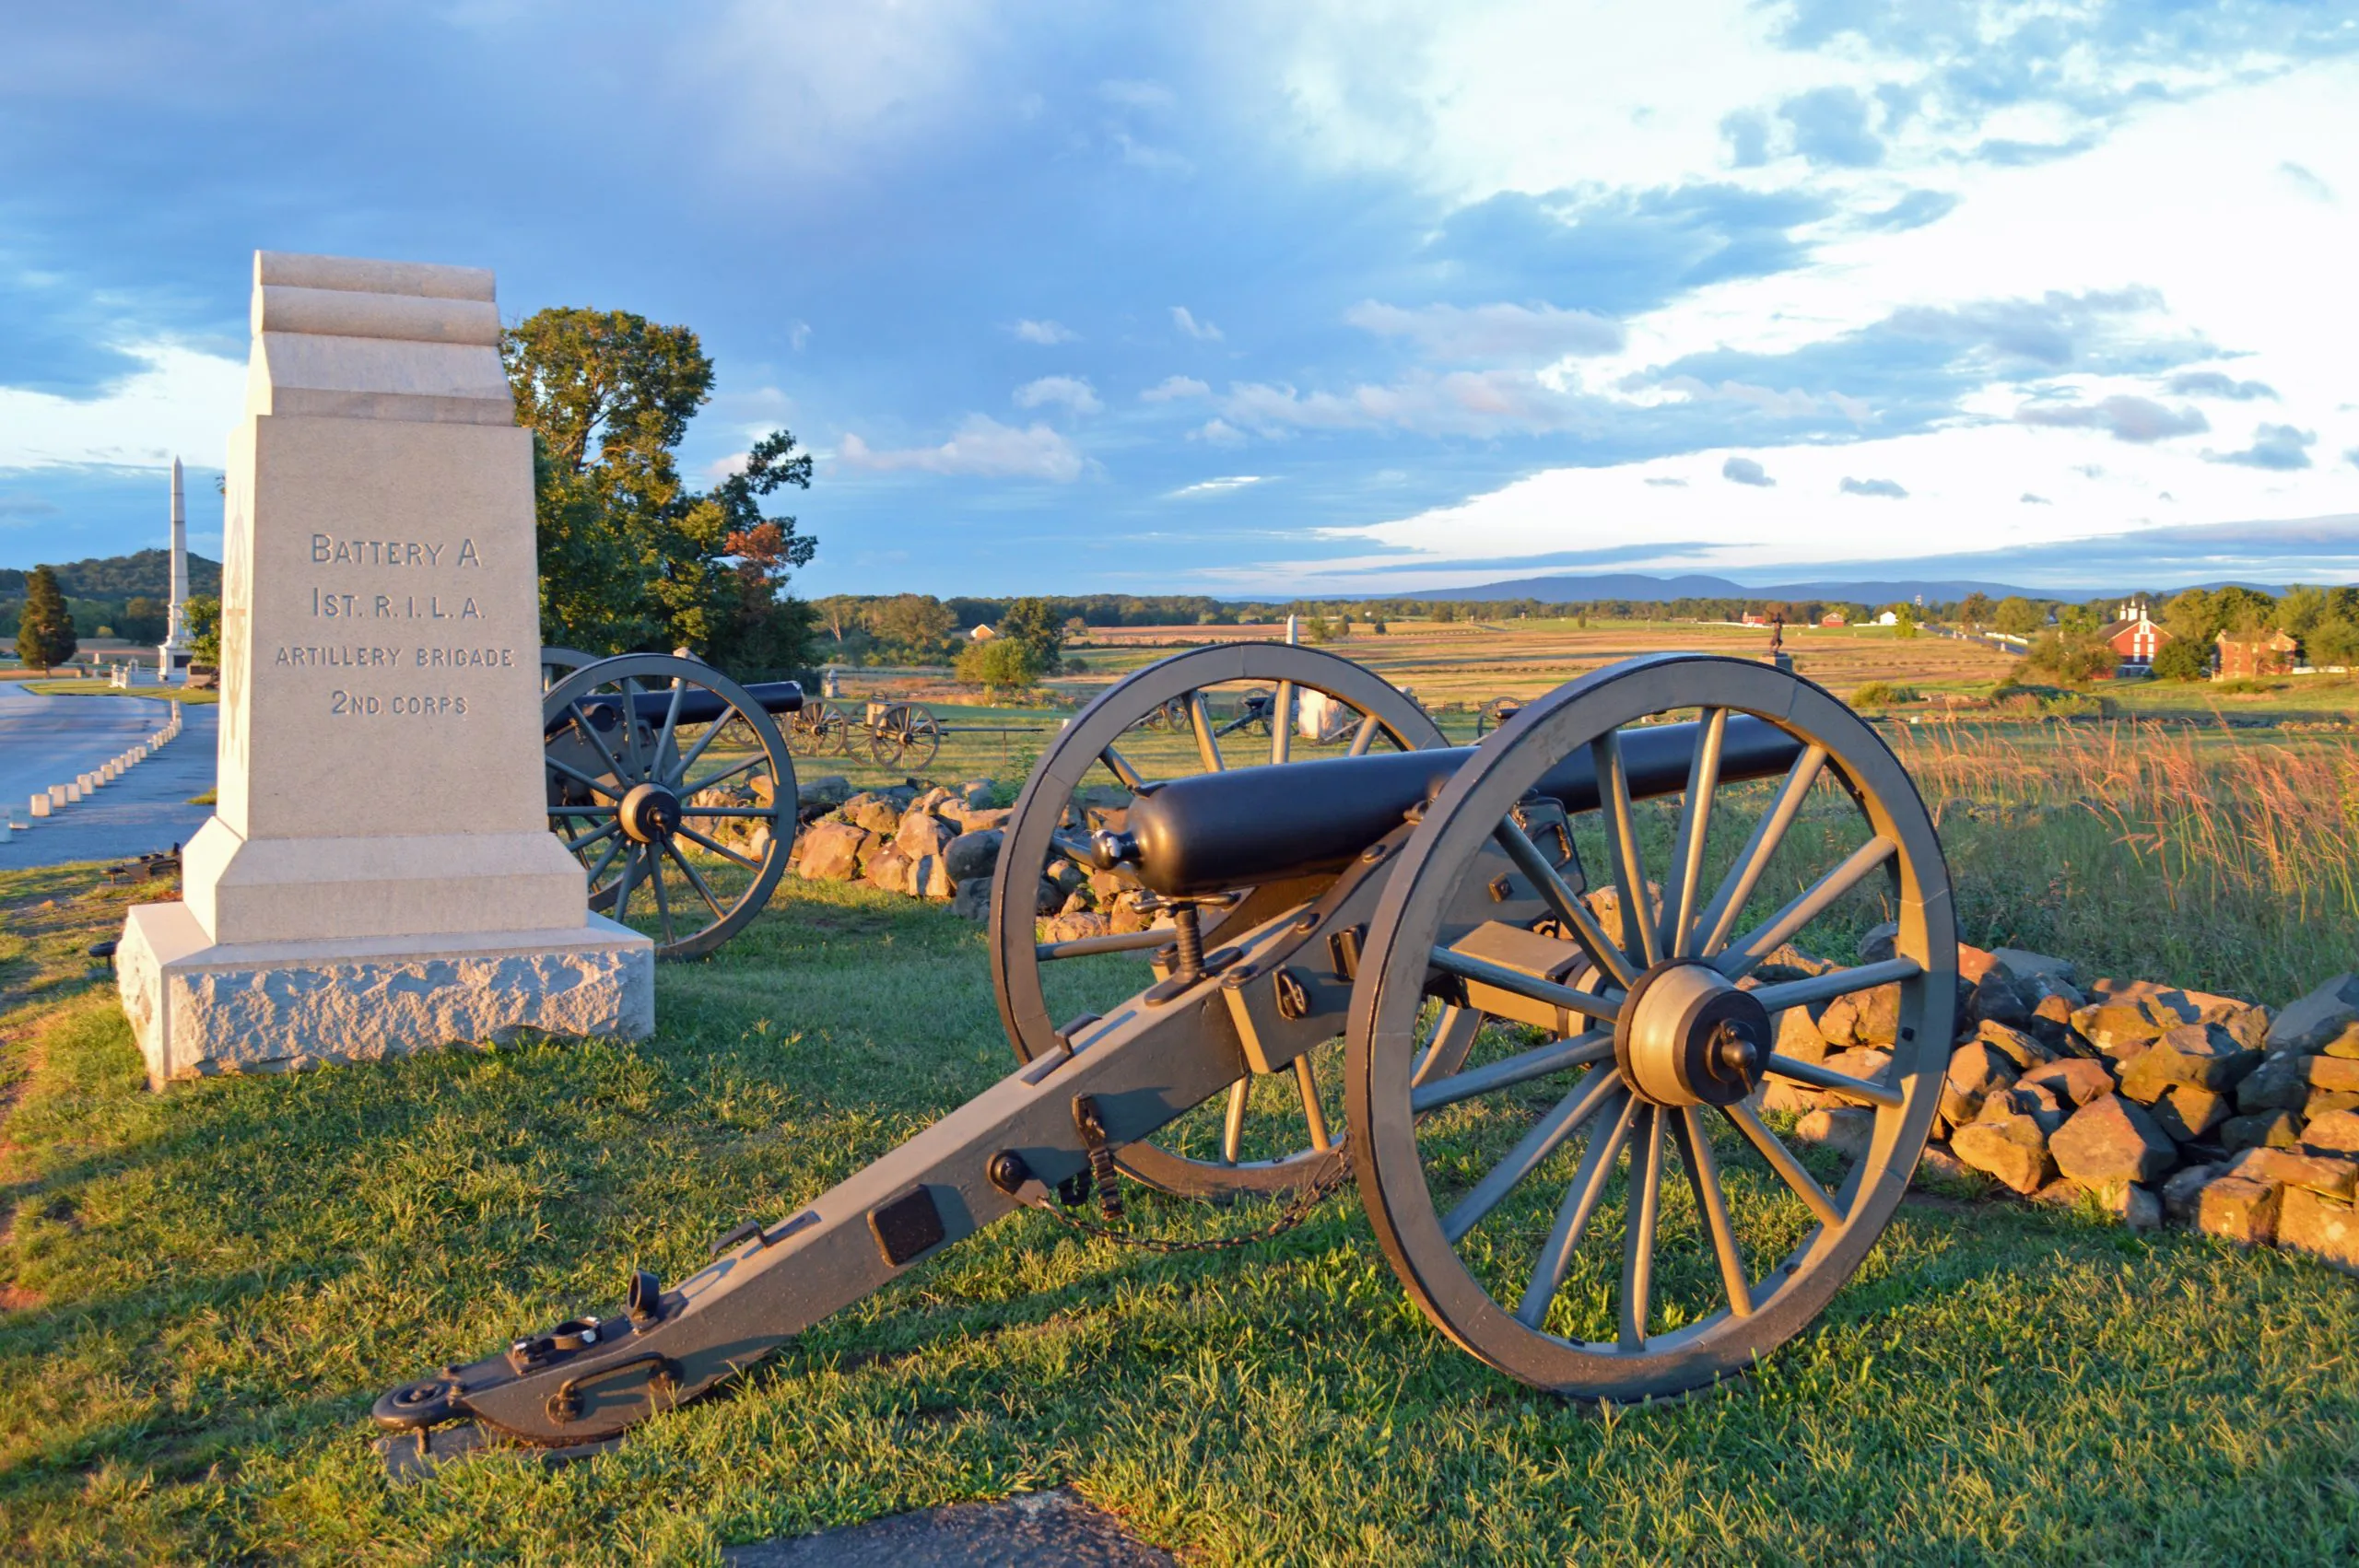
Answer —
204 1289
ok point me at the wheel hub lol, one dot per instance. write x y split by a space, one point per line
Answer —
1686 1036
651 814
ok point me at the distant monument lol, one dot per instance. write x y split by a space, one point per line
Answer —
378 875
173 655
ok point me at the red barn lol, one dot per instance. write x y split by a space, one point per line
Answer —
2135 639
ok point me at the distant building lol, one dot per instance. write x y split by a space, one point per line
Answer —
1834 618
2256 654
982 633
1755 618
2134 639
1889 618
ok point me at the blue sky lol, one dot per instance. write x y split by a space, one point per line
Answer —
1271 299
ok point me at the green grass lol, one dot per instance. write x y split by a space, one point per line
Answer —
99 687
211 1285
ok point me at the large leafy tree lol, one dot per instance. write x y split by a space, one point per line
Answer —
45 629
630 556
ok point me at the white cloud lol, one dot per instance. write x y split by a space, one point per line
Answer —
1172 388
981 447
1047 333
1218 433
1073 391
181 402
1186 323
1490 332
1219 486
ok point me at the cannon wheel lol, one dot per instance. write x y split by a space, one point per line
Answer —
557 663
633 804
821 729
1496 712
1581 1266
1291 1128
906 736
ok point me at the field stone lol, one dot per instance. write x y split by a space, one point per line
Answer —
1074 926
1998 998
830 851
2025 1050
824 793
929 878
1066 875
975 794
2318 1227
2261 1130
1878 942
2187 1113
2124 1028
2074 1080
2279 1084
2326 1102
2235 1209
2024 965
2250 1028
971 899
1798 1037
2340 1074
2327 1173
922 836
1783 1095
2136 1207
2307 1025
1979 1068
1864 1018
1845 1130
2183 1190
974 853
2336 1132
1076 902
2051 1025
2202 1054
2111 1139
2013 1150
2025 1100
887 868
1861 1061
2345 1044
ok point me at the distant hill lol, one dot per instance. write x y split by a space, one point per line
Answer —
148 572
1643 589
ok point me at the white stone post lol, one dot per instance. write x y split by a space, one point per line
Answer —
378 875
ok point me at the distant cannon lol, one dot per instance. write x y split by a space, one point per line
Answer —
1387 958
687 805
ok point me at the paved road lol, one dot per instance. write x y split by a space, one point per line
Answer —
49 740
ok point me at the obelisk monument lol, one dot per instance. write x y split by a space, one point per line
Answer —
378 875
172 656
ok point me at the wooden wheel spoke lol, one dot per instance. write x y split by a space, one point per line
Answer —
732 771
663 899
1703 1174
1546 1135
1313 1114
1601 949
566 812
1741 957
1199 723
1840 982
711 733
719 848
1694 828
1120 765
1282 724
1621 844
1639 1234
1582 1195
622 885
580 720
1557 1056
567 769
1819 1077
671 720
616 848
639 769
1719 915
1781 1160
695 879
764 813
1365 736
1232 1125
580 842
1452 962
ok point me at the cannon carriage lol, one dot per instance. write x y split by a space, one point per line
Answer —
1526 995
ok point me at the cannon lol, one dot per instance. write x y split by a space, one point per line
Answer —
1506 991
673 786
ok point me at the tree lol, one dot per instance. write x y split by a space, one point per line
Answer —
203 615
2072 656
144 620
998 662
44 629
1975 609
630 555
916 624
2180 660
1033 622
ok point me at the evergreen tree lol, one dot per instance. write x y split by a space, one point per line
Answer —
44 630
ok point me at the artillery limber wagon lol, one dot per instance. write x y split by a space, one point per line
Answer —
1527 996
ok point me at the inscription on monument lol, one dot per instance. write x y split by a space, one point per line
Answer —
333 604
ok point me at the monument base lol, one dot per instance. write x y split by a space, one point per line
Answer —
200 1008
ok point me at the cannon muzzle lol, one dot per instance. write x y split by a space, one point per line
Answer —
1215 831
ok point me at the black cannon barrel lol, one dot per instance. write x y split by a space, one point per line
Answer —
697 705
1213 831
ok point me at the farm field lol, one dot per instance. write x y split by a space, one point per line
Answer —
201 1292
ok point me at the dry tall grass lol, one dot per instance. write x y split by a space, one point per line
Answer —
2209 858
